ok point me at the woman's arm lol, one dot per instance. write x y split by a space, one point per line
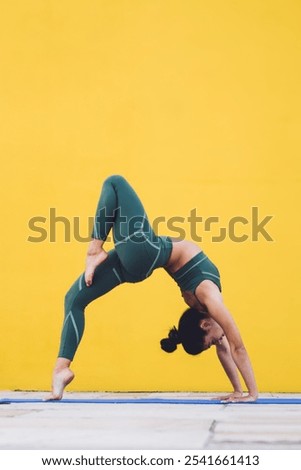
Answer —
224 354
208 294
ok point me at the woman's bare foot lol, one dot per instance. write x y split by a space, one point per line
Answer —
96 255
60 380
61 377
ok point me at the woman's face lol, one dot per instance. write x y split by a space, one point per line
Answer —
214 334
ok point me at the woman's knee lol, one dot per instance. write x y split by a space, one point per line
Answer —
115 180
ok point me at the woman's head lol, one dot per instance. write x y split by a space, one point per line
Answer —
196 332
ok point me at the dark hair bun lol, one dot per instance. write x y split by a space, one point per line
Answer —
169 344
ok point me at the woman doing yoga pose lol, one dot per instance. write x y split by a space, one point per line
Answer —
138 251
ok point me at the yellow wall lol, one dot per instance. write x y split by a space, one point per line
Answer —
198 104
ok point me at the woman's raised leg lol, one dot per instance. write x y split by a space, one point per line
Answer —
119 208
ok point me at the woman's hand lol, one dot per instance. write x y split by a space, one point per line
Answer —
231 396
241 399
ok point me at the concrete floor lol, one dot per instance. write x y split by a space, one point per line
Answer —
32 426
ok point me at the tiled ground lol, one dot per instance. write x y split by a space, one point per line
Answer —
147 426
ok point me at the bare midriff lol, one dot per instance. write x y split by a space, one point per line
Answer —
182 252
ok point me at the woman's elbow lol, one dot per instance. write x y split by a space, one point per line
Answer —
238 349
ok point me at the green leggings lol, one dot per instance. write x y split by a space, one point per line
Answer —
138 251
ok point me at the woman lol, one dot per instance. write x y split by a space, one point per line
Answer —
138 251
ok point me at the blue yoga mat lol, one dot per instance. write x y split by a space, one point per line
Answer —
155 401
